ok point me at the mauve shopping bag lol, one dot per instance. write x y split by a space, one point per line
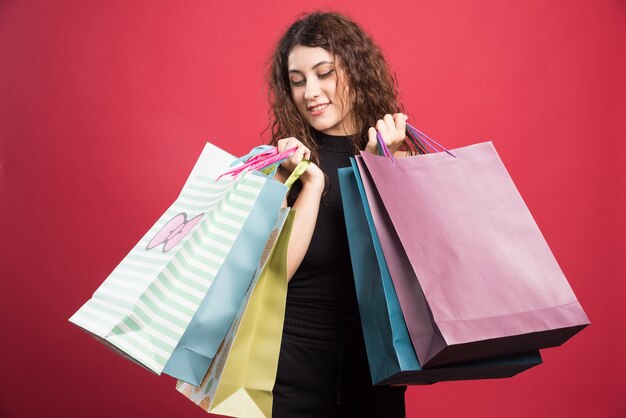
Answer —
390 354
482 280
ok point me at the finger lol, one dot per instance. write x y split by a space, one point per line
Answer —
390 123
280 145
305 152
284 145
372 142
295 159
381 127
400 123
401 115
292 143
287 143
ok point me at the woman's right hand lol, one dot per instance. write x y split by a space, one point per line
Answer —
313 176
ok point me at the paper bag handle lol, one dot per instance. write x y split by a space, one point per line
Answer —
297 172
428 140
419 140
260 161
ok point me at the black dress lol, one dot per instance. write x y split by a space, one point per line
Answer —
323 369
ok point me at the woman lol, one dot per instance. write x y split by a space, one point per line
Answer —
330 91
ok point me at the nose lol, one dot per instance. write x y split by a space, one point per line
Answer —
312 89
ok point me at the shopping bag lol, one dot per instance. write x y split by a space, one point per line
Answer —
192 356
197 347
242 375
481 280
391 357
144 307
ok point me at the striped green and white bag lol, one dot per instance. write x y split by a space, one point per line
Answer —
143 308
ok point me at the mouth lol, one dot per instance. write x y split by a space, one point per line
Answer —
317 109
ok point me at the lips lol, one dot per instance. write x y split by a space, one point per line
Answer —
317 109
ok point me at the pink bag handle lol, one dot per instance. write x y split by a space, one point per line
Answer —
259 161
383 147
262 156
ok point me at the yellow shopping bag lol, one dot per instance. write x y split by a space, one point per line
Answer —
240 380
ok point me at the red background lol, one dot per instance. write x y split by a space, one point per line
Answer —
104 107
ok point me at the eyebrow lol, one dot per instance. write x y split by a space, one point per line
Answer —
314 67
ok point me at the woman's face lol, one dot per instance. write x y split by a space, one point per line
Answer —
320 90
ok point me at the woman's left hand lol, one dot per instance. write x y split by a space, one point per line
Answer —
393 131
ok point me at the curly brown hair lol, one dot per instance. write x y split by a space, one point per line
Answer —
372 89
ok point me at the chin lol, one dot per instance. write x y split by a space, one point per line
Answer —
320 126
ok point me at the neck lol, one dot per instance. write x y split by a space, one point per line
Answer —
347 127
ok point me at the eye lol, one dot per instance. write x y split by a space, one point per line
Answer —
297 83
326 74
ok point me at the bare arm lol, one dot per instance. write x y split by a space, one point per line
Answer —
306 205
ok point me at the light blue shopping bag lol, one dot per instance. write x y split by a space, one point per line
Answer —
196 349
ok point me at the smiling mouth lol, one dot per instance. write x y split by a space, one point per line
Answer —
318 108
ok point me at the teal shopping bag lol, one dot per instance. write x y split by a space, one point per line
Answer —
390 353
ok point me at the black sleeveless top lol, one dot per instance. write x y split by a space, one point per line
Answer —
323 368
322 289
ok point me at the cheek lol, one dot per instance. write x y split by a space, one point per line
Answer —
298 96
330 88
298 99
